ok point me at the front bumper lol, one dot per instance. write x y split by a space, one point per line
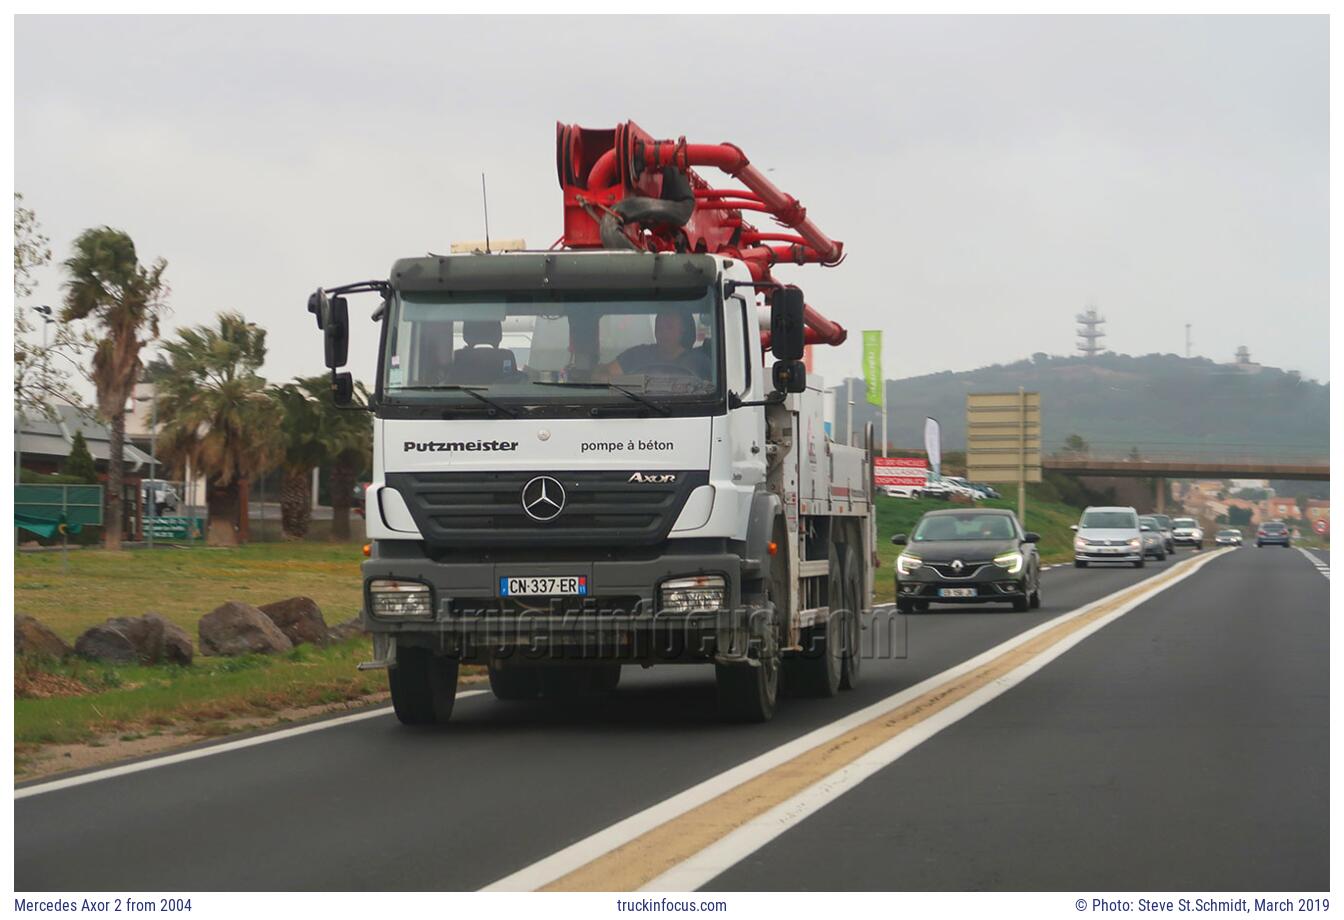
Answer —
990 582
1100 554
1186 540
618 617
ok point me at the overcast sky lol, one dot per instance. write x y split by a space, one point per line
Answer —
990 176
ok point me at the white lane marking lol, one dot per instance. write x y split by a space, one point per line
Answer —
735 846
184 756
1321 565
564 861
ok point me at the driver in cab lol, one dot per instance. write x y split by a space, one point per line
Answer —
672 348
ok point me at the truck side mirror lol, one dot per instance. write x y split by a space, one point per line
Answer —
787 332
342 389
333 318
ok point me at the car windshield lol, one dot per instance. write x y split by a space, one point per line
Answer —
968 526
1148 522
1184 522
536 347
1110 520
1163 520
1229 533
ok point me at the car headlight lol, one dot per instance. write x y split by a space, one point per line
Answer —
1011 561
392 599
693 594
906 563
1080 543
1134 543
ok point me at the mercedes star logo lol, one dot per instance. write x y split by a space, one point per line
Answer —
543 498
957 565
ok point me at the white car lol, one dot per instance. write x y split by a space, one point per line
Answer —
962 487
902 491
1186 531
1109 534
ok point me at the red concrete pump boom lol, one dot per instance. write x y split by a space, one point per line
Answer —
625 190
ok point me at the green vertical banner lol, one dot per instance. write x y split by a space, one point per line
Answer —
872 365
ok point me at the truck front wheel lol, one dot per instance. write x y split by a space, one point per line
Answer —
424 687
747 691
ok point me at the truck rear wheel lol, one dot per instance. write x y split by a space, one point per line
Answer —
424 687
852 625
516 682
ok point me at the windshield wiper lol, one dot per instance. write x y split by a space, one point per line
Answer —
470 391
656 407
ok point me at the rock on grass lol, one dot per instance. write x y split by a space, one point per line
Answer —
235 628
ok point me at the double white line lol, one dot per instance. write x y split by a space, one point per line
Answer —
690 838
1321 565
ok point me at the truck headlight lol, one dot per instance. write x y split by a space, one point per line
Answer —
906 563
392 599
1011 561
694 594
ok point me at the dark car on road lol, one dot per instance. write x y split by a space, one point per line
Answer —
1273 532
1150 532
979 556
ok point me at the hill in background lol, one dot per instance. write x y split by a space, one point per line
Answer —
1115 402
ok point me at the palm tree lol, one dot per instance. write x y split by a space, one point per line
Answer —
219 415
109 285
348 438
302 417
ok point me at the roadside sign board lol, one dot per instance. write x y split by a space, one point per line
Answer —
1003 437
900 471
176 528
1322 527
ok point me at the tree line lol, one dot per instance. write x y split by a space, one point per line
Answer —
215 411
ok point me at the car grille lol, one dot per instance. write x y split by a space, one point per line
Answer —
945 569
484 509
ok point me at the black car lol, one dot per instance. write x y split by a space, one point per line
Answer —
968 556
1275 532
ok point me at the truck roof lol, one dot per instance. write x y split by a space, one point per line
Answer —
670 273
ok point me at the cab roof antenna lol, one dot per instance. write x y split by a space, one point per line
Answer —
485 207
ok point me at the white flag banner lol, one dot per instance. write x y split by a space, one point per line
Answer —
933 445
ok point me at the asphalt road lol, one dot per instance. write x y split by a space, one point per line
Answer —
1182 746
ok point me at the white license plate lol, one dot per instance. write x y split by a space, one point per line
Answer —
543 586
956 592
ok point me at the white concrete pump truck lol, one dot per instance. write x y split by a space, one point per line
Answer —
635 486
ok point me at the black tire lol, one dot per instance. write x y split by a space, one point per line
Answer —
1139 564
1036 595
748 692
1079 564
921 606
1161 557
904 605
1259 545
424 687
851 662
516 682
1020 604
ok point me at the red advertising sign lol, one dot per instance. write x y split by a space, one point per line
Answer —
900 471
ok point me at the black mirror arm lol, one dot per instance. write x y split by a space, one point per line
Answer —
775 398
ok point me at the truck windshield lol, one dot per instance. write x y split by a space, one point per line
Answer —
526 347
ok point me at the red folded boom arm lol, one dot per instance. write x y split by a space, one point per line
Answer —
607 173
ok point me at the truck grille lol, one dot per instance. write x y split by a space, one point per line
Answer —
484 509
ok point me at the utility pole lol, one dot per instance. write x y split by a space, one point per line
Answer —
849 411
1187 340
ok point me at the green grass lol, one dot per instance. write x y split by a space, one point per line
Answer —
132 700
1050 518
183 585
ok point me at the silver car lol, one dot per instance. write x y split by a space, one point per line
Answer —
1154 544
1108 534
